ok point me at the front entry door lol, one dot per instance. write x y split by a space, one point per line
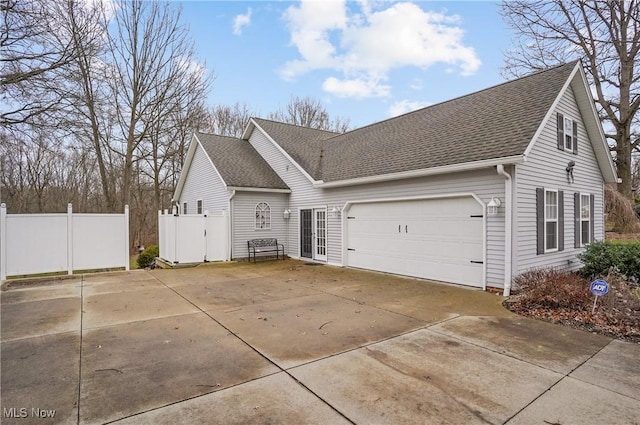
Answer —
320 234
313 234
306 233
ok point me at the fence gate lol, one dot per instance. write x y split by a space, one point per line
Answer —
193 238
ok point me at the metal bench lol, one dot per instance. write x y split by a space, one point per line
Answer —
260 246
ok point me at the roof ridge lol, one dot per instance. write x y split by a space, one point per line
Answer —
297 126
456 98
205 133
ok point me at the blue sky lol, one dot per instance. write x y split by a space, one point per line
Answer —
365 60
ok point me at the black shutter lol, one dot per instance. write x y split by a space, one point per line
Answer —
575 137
577 227
540 220
560 125
560 220
592 215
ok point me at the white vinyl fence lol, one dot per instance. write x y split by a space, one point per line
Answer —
193 238
43 243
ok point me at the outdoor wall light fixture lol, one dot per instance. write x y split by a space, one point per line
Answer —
335 212
569 170
286 214
493 205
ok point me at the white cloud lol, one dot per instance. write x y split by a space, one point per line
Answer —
365 45
241 21
357 88
403 106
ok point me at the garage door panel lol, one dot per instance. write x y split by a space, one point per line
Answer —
439 239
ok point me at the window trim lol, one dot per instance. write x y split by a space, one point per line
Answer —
568 134
265 209
199 207
564 131
583 220
547 220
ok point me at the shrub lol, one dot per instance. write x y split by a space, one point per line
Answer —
552 289
148 256
599 257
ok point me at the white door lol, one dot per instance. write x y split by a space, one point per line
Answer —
320 234
440 239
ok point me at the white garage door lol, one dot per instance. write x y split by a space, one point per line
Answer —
439 239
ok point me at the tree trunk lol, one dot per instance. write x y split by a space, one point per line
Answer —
623 162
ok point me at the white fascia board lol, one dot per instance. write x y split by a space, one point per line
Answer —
257 189
601 142
282 151
195 143
550 111
185 168
445 169
247 131
602 147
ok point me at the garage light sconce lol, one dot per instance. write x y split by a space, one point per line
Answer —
335 212
286 214
493 205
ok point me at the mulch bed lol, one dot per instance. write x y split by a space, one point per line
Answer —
564 298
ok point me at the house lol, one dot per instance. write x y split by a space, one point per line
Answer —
474 190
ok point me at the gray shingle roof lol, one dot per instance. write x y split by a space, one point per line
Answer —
238 162
303 144
493 123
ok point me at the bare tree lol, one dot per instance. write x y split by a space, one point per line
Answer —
86 92
32 50
150 50
309 112
606 35
227 120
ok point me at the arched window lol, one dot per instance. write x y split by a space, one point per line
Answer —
263 216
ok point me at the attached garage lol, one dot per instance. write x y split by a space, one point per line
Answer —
440 239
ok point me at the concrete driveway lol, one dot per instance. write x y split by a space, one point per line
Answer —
285 342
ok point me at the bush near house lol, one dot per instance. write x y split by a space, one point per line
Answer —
148 256
599 257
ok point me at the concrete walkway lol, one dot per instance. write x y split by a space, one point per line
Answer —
283 342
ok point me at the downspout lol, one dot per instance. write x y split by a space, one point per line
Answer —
230 227
508 228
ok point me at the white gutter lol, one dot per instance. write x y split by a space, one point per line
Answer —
508 220
230 228
454 168
257 189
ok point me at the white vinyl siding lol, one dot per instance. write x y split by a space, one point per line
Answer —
243 220
546 167
203 184
483 183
